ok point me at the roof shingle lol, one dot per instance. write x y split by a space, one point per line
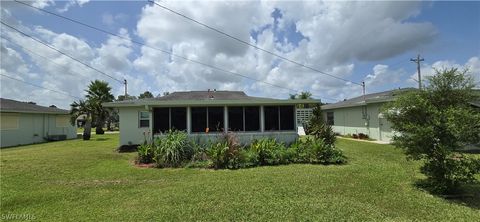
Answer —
9 105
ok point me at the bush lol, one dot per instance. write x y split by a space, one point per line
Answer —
145 153
226 153
172 150
268 152
315 150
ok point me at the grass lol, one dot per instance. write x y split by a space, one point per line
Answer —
87 180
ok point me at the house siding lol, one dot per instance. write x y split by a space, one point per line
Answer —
349 120
34 128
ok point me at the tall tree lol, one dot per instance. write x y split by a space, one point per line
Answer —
433 124
79 108
99 92
146 94
305 95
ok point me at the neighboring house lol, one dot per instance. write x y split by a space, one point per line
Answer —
207 114
362 115
26 123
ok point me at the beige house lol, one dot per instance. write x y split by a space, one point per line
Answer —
26 123
206 115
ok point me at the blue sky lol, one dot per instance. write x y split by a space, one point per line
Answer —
366 41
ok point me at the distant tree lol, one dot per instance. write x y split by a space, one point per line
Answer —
305 95
146 94
434 123
123 97
292 96
99 92
166 93
79 108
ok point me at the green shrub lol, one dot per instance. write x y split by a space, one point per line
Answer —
226 153
145 153
267 151
315 150
172 150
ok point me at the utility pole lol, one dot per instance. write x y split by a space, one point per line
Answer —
125 83
418 60
363 90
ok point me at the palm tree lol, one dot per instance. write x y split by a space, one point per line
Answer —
98 92
79 108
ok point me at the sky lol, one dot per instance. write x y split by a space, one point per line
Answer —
352 40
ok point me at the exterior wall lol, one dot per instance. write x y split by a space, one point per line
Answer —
349 120
245 137
34 128
130 133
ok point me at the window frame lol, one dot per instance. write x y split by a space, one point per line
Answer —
279 118
244 119
140 119
330 114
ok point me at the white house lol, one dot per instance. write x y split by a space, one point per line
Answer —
26 123
362 115
208 114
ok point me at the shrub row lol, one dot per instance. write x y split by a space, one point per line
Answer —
176 150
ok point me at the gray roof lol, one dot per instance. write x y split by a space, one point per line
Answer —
198 98
379 97
13 106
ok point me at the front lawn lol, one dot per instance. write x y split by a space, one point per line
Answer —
87 180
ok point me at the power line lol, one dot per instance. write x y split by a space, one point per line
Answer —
167 52
60 92
34 53
51 47
251 45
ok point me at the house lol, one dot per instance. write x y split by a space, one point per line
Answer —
207 114
26 123
362 115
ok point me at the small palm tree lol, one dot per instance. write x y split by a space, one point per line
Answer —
98 92
82 108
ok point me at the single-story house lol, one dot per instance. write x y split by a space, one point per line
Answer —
207 114
362 115
26 123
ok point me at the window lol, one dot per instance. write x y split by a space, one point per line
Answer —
235 118
271 118
244 118
9 121
144 119
199 119
287 118
252 118
160 120
279 118
178 117
62 121
215 119
169 118
330 118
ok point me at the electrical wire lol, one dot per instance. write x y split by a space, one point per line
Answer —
65 54
251 45
28 83
169 53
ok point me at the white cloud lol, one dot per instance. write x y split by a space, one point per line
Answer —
43 3
472 65
338 33
71 3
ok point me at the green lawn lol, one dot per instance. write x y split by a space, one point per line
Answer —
87 180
